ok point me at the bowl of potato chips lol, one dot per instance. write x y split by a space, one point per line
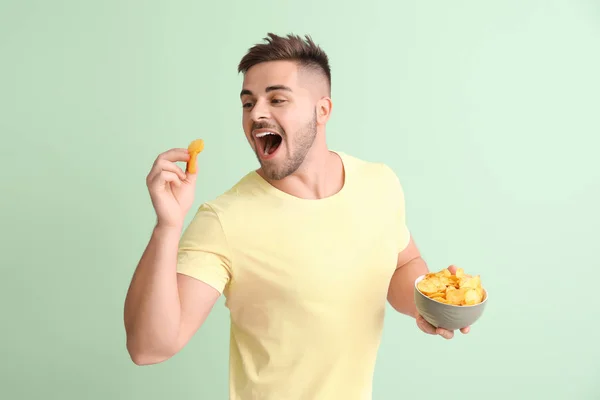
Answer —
450 301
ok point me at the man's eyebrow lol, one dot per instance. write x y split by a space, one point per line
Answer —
268 89
278 87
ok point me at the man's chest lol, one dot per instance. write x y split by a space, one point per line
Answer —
323 259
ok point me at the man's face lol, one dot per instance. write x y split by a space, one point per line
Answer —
279 116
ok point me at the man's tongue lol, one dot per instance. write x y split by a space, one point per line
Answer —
268 146
271 144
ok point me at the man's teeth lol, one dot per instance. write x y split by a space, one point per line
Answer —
263 134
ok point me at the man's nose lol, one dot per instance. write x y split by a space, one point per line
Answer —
260 111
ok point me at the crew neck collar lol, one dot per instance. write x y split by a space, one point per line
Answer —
284 195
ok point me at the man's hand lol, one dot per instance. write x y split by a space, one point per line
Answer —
171 189
432 330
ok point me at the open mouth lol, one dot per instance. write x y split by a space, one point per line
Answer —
268 143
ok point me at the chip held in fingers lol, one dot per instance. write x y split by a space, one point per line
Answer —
194 149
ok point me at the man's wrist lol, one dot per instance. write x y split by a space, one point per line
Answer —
168 229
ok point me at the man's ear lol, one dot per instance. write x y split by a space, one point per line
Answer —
324 107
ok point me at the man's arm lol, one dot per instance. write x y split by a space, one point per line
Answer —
410 265
163 309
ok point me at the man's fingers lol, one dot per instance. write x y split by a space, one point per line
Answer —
465 330
166 176
432 330
174 155
425 326
452 269
165 165
446 334
191 178
162 164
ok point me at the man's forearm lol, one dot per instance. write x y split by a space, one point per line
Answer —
152 306
401 290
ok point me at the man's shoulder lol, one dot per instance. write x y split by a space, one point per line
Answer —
369 171
238 197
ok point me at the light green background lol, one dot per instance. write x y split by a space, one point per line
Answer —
489 112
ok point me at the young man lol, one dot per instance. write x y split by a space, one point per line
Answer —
307 249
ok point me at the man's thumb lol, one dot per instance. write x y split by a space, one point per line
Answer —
191 177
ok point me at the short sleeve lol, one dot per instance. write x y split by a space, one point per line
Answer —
398 210
203 251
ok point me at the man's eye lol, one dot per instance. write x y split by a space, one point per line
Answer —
277 101
247 105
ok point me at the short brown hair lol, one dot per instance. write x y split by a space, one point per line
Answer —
290 48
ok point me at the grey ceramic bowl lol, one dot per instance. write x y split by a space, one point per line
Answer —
447 316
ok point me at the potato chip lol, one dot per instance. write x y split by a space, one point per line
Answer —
460 289
480 293
471 297
455 296
194 148
471 283
427 287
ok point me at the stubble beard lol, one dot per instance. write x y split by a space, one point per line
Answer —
297 151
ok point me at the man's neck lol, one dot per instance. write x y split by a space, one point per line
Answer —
321 175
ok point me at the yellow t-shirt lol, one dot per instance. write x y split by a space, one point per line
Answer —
305 281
